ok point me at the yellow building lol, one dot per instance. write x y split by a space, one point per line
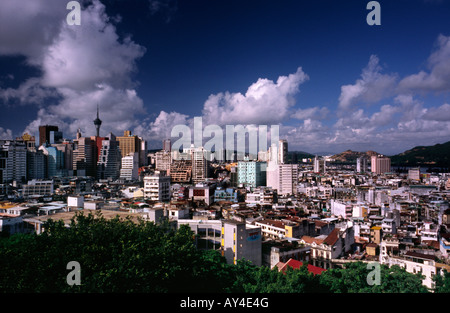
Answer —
376 234
128 143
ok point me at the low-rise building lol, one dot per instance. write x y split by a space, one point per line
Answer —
37 187
415 263
241 241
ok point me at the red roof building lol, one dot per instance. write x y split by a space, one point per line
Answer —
282 267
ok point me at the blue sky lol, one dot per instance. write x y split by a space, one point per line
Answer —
153 64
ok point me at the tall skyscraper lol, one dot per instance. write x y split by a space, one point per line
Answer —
167 145
380 164
163 160
98 123
288 179
282 151
83 156
129 143
272 177
109 161
36 165
284 179
66 147
55 161
44 133
320 165
361 164
200 165
13 161
142 159
130 167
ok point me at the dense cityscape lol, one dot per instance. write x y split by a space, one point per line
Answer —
215 153
275 210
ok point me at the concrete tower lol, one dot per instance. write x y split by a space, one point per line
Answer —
98 123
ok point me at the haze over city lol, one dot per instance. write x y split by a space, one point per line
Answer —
331 81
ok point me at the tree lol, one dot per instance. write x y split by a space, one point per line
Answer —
253 279
114 255
353 279
442 283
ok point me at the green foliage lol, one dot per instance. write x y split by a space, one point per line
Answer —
114 256
125 256
253 279
353 279
442 283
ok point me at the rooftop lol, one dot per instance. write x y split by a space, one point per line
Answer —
67 216
282 267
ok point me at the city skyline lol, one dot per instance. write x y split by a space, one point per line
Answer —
331 81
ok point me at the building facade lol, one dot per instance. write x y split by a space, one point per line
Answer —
157 187
251 173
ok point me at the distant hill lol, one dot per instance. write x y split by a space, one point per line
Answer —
437 155
350 156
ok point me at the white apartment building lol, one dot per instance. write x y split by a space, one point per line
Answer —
413 262
200 165
262 196
157 187
130 167
343 209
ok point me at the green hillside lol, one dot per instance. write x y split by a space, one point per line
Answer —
437 155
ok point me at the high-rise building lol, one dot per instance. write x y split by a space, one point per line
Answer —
130 167
54 160
283 178
320 165
282 151
36 160
380 164
109 160
143 161
84 156
167 145
66 147
44 133
157 187
13 161
36 165
361 164
414 174
163 161
272 179
129 143
288 179
251 173
263 156
200 165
